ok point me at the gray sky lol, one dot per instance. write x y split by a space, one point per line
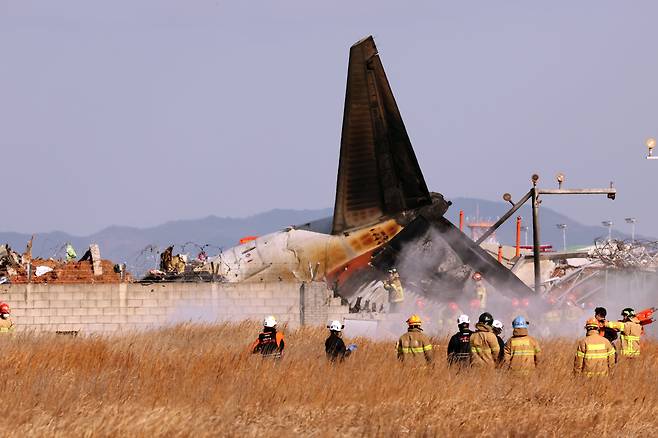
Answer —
139 112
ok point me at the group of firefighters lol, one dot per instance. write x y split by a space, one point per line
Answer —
605 343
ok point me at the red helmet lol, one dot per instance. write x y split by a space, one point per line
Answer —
477 276
4 308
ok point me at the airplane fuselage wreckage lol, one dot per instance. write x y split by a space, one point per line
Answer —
384 215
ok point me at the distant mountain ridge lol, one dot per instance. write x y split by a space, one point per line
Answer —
140 247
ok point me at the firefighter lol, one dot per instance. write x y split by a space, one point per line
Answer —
414 346
498 327
521 351
459 347
610 334
270 342
393 286
484 344
595 355
629 329
6 324
334 346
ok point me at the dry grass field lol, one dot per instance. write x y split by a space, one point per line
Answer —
198 380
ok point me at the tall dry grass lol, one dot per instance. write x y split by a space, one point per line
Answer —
198 380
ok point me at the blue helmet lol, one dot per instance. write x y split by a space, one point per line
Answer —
519 322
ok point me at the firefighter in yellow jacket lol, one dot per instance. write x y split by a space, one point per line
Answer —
414 346
595 355
484 344
629 329
521 351
6 324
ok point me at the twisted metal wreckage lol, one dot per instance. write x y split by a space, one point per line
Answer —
384 217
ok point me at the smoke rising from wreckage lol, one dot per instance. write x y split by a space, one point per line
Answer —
386 219
384 215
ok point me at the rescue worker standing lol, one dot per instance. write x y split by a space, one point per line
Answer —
484 344
629 329
498 330
270 342
609 333
521 351
393 286
334 346
595 355
414 346
6 324
459 347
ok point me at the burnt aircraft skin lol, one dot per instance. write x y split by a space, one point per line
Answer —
380 191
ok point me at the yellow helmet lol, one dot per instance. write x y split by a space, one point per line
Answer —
414 320
591 324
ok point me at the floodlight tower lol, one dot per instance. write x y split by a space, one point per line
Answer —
632 220
563 227
609 225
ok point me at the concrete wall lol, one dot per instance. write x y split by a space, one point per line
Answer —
129 306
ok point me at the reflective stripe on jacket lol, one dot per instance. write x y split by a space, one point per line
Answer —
595 355
415 347
521 351
629 337
6 325
484 347
270 343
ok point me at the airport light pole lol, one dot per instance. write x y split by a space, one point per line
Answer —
632 220
534 194
651 144
609 225
563 227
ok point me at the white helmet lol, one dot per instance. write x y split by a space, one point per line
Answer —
497 324
463 319
335 326
269 321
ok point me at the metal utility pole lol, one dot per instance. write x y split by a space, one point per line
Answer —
536 240
533 194
563 227
632 220
609 225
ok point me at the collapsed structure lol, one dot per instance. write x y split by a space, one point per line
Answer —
18 268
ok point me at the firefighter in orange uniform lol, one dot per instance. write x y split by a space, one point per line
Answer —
521 351
270 342
414 346
629 329
595 355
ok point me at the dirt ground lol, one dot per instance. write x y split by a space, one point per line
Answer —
200 381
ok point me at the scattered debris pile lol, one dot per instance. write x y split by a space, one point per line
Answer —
627 255
91 268
576 281
179 268
10 263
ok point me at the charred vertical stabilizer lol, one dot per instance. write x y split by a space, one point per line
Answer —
378 174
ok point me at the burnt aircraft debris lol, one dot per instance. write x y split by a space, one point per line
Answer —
383 213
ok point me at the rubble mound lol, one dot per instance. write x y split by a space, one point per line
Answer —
69 272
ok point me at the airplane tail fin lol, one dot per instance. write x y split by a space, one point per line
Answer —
378 174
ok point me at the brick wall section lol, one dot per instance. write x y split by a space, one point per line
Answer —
129 306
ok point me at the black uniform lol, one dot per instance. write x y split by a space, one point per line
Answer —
459 348
335 348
